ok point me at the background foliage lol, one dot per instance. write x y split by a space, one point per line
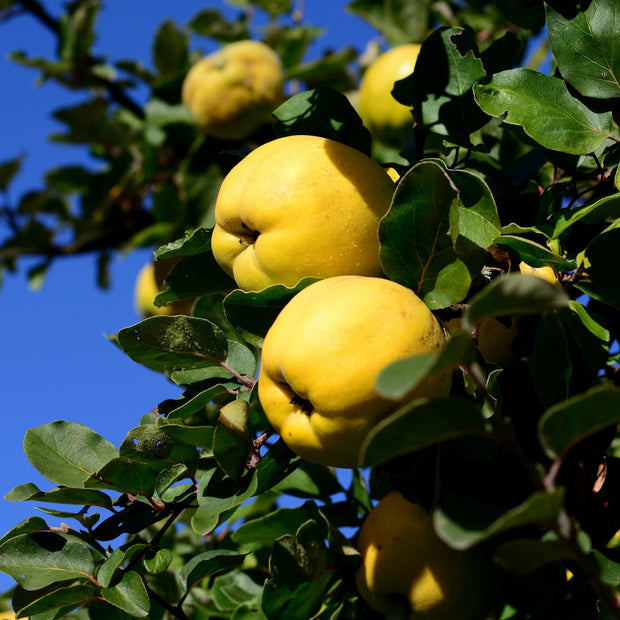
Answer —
504 164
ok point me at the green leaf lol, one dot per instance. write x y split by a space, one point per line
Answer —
399 21
59 601
264 531
67 453
566 424
193 435
474 216
159 562
29 525
124 475
550 363
40 559
174 343
208 564
8 169
234 589
603 283
440 88
523 556
420 424
275 466
585 48
401 377
515 293
416 248
525 13
170 53
591 337
61 495
533 253
192 402
604 209
543 106
323 112
210 23
310 480
252 313
462 521
231 449
194 276
129 595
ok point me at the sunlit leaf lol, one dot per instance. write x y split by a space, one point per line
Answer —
130 595
543 106
67 453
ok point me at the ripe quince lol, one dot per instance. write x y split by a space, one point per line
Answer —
300 206
233 91
387 120
546 273
323 354
409 573
149 283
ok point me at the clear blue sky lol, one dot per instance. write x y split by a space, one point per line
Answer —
56 363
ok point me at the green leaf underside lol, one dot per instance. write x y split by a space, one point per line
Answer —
463 522
174 343
565 424
523 556
129 595
209 563
542 105
422 423
515 294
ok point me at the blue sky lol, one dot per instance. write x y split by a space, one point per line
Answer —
56 362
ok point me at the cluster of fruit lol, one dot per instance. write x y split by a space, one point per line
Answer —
304 206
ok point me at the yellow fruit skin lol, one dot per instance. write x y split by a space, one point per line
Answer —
408 573
323 354
387 119
546 273
149 284
300 206
233 91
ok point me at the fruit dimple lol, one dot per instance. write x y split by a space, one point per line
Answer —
304 404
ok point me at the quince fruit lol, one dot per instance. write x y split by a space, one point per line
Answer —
546 272
300 206
387 120
233 91
409 573
149 284
323 354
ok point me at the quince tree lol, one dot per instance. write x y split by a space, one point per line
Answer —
498 204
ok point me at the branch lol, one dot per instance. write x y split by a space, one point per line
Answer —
115 91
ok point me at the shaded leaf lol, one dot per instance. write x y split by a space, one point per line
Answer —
124 475
550 363
534 254
67 453
566 424
323 112
400 21
523 556
440 88
401 377
603 282
208 564
64 599
8 169
170 53
252 313
543 106
462 521
515 293
420 424
40 559
63 495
